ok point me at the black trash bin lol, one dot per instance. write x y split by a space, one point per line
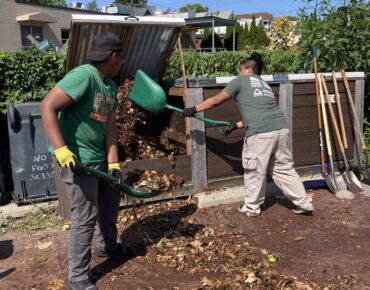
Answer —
31 162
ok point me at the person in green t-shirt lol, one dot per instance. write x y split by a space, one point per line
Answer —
78 117
266 143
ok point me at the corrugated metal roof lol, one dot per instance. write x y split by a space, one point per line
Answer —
147 41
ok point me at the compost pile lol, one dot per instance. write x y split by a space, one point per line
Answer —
135 131
136 142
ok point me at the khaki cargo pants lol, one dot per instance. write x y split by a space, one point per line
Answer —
270 152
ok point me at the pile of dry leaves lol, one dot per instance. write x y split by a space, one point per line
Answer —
175 235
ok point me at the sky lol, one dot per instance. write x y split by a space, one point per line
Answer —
275 7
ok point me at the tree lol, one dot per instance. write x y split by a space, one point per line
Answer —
194 6
207 39
252 33
228 40
61 3
137 3
261 38
92 6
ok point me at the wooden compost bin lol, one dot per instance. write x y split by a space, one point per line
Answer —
217 159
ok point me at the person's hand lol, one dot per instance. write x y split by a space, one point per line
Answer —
114 169
230 128
65 157
189 112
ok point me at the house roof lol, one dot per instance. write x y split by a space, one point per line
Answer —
134 10
263 15
37 17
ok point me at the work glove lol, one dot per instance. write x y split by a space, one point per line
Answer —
115 170
189 112
230 128
65 157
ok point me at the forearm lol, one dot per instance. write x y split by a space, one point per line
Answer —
111 144
212 102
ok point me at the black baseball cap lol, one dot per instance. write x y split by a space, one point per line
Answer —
103 45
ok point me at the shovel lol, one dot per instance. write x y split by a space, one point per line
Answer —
348 176
355 184
365 171
334 180
125 188
148 95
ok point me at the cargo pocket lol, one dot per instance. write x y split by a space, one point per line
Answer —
250 161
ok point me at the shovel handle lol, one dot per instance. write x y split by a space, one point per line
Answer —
324 118
214 123
357 123
111 179
332 115
340 113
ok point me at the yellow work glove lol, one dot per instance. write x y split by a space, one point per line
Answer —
65 157
114 169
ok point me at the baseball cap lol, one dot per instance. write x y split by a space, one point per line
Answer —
103 45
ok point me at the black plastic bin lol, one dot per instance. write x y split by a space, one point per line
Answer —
31 162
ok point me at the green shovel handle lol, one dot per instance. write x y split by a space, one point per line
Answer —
122 185
214 123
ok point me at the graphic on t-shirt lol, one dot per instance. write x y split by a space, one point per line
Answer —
102 107
255 83
257 93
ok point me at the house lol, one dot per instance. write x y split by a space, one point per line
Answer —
129 10
19 18
262 18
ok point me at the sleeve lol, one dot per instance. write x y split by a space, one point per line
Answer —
75 83
233 87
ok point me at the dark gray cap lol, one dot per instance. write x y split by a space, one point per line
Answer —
103 45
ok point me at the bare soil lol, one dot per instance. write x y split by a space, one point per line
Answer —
177 246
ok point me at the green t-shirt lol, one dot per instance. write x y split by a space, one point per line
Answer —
257 104
84 123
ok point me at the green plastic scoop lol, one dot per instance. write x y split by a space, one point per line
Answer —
148 95
125 188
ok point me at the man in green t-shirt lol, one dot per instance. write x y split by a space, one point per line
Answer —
266 142
78 117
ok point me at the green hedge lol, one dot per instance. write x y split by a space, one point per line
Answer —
227 63
28 76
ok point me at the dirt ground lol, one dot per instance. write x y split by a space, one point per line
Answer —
177 246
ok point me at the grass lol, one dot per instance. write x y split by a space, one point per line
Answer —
39 219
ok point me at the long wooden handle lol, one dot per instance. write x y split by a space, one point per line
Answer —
319 120
332 115
340 112
324 117
357 123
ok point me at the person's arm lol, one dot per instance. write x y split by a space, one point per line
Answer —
212 102
55 101
207 104
111 141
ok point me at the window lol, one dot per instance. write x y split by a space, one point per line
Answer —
64 35
35 31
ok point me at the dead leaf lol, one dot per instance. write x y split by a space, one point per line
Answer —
299 238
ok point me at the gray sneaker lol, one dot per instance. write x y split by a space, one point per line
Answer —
243 209
80 285
301 210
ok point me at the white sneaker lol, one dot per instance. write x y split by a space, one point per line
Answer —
243 209
301 210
